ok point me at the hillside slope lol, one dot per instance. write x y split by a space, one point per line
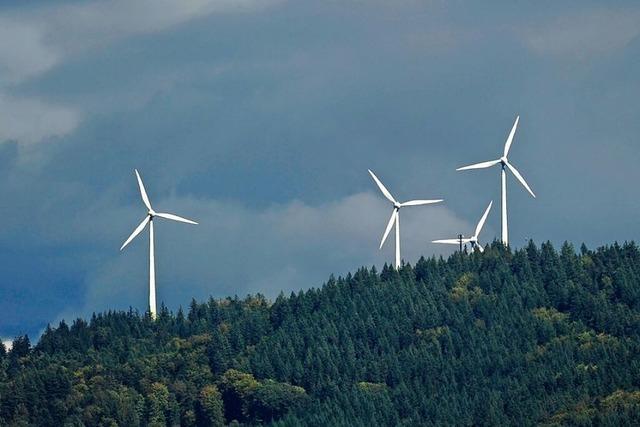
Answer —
500 338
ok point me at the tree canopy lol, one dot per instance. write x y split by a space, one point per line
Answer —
535 336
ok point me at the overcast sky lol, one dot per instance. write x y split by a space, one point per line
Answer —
259 119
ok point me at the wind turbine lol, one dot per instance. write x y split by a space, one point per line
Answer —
504 163
474 239
151 214
395 215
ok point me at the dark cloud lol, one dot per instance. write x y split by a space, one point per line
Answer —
262 122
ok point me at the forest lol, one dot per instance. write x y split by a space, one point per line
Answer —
535 336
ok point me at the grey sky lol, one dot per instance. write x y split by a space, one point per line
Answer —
260 119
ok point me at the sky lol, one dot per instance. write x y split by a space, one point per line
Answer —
260 118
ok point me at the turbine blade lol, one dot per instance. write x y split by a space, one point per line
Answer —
384 190
480 247
137 231
520 178
392 220
420 202
175 218
480 165
143 192
482 220
450 241
507 145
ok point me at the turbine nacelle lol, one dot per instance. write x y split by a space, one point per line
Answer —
395 215
503 161
151 214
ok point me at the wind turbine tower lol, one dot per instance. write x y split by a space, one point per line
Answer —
151 214
504 165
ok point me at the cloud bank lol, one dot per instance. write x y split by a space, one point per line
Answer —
584 34
33 41
260 119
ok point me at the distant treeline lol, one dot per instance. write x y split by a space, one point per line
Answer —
530 337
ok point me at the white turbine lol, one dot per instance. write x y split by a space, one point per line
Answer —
504 162
395 215
474 239
149 220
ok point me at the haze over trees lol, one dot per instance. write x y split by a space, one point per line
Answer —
530 337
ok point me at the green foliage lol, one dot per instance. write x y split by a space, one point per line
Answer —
158 404
20 347
372 388
534 336
617 409
212 406
246 399
237 390
272 399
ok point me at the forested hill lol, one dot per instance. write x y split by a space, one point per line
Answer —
500 338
